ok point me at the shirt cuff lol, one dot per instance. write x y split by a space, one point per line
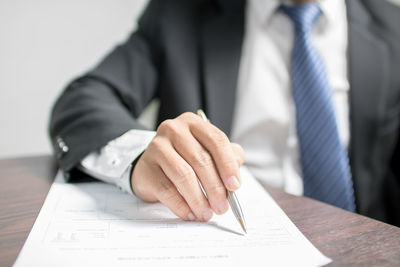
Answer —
113 163
125 181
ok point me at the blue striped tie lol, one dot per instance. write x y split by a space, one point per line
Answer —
324 161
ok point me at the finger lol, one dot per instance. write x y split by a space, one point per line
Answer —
168 195
150 184
239 152
203 165
219 146
185 180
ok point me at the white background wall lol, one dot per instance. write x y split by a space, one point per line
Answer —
43 45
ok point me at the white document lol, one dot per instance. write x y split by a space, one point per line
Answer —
95 224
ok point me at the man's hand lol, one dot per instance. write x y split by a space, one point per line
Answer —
185 151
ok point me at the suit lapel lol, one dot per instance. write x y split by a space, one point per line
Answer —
221 43
368 70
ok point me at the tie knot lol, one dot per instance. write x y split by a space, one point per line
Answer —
303 15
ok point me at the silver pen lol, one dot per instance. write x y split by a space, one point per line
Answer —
232 199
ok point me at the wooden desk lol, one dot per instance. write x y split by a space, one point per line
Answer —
347 238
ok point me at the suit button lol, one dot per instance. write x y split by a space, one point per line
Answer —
61 144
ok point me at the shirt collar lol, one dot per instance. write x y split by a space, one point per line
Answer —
264 9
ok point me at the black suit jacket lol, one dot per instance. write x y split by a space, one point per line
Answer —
186 53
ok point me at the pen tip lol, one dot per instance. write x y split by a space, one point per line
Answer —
242 224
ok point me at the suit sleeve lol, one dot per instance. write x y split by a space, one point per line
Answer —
104 103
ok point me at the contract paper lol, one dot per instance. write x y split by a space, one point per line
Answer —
95 224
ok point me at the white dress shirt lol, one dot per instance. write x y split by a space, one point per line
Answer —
264 118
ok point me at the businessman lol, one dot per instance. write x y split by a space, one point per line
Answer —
309 91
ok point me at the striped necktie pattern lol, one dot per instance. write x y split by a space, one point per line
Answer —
324 160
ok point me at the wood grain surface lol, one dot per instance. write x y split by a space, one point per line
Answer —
349 239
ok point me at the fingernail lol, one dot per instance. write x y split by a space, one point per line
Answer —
207 215
233 183
191 217
222 207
